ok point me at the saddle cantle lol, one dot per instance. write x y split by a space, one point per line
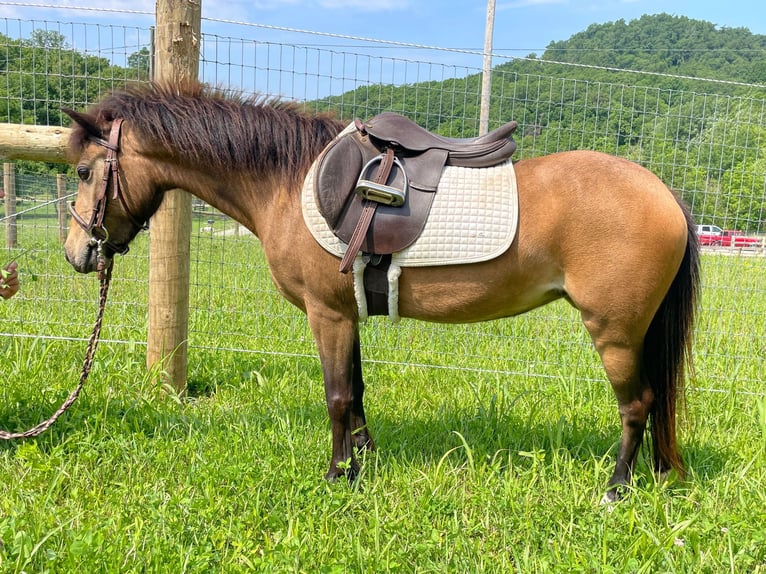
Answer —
375 185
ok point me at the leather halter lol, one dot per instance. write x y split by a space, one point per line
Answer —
99 235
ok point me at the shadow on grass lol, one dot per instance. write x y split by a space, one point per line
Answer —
413 437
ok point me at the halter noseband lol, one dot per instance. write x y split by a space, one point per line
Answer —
99 236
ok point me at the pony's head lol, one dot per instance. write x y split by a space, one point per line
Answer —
104 219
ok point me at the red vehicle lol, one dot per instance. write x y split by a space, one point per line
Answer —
713 235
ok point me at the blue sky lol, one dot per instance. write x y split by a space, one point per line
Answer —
521 27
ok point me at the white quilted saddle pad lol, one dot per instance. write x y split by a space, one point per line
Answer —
473 218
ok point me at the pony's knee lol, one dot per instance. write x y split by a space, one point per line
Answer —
635 408
339 407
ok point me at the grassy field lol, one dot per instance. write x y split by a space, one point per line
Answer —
493 462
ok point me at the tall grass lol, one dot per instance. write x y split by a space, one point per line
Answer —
493 462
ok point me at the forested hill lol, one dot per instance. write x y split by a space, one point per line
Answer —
638 89
668 44
669 54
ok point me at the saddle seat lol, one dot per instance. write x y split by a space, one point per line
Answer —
405 135
374 185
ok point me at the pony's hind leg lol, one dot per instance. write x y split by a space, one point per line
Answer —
622 359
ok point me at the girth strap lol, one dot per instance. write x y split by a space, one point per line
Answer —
368 211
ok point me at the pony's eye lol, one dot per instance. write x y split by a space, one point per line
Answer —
83 172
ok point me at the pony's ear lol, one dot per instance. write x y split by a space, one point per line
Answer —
86 121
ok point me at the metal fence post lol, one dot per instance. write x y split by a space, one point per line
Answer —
9 185
61 210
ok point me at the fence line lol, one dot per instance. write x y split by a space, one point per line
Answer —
718 170
394 43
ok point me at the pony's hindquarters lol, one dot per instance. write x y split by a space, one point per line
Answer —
630 261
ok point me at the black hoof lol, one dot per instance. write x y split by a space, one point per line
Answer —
350 472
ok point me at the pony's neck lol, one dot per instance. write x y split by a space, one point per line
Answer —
248 198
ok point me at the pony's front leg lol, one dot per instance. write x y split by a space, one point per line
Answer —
336 337
361 433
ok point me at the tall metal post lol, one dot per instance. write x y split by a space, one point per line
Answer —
486 74
9 184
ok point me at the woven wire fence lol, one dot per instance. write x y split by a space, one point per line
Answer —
705 145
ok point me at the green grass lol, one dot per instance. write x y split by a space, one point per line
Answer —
494 462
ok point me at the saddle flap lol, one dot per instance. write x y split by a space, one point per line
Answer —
336 176
394 227
425 170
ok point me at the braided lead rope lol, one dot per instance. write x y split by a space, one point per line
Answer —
105 275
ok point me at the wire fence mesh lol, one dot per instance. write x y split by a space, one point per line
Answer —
704 144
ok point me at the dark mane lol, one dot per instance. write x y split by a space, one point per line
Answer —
206 126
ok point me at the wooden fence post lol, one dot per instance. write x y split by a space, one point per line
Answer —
9 185
176 60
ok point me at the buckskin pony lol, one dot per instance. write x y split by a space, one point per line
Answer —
602 232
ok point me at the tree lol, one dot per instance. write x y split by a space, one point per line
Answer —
48 39
42 74
139 61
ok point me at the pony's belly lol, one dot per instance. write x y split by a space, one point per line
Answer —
467 301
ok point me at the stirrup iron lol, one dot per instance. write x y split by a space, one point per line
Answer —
379 192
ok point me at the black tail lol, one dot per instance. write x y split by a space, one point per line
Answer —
668 352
